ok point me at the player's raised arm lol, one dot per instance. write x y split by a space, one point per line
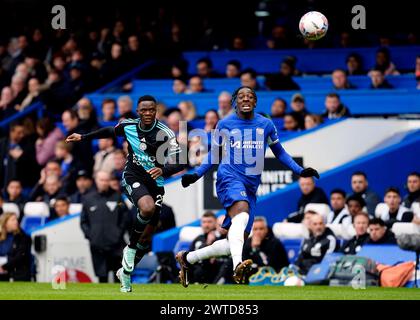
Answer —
106 132
285 158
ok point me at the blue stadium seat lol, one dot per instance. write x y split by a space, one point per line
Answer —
28 224
292 247
181 245
311 61
145 268
359 101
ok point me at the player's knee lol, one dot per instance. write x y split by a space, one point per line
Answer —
240 206
147 208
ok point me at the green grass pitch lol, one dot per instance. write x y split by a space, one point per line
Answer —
79 291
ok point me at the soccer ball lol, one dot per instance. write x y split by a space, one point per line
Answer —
294 281
313 25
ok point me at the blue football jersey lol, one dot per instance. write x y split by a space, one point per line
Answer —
244 143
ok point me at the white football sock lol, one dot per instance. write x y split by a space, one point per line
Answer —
236 237
217 249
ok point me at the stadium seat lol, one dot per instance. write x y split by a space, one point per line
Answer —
11 207
75 208
318 273
381 209
415 207
29 224
145 268
386 254
285 230
189 233
292 247
36 209
320 208
186 236
399 228
341 231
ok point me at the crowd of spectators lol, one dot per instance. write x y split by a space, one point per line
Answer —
361 214
367 220
58 69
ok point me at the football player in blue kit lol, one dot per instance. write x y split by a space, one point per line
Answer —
243 136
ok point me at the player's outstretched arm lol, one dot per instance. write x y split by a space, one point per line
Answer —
286 159
106 132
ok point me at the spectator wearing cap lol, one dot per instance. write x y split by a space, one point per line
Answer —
310 194
283 80
396 212
340 80
413 188
84 185
278 108
334 108
379 233
339 213
378 80
361 226
233 69
360 186
104 158
298 106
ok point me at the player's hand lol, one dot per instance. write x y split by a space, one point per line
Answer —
309 172
188 179
74 137
155 172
